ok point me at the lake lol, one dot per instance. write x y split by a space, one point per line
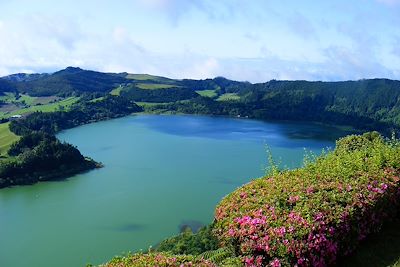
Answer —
161 173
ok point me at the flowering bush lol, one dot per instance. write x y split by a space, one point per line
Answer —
158 259
312 215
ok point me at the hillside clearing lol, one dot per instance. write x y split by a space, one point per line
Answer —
229 97
62 104
207 93
154 86
6 139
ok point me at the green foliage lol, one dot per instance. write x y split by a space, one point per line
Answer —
63 104
365 104
229 97
40 157
69 82
78 114
147 77
28 142
312 215
6 86
154 86
207 93
357 142
380 249
158 259
167 95
188 242
218 256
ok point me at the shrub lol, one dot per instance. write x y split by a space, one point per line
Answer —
158 259
188 242
312 215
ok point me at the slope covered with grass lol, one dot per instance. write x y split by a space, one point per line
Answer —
7 138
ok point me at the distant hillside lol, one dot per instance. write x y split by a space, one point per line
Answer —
69 81
366 104
25 77
372 104
6 86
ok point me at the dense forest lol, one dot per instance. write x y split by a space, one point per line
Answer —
66 82
41 157
366 104
6 86
165 95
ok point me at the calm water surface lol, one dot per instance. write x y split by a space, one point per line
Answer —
161 172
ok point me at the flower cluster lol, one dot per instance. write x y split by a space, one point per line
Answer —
312 215
158 259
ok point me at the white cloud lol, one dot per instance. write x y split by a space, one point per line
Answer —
47 43
204 69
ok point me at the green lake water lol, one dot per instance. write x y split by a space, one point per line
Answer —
161 172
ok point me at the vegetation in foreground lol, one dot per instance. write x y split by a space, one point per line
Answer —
312 215
317 215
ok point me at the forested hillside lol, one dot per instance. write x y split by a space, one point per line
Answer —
372 104
69 81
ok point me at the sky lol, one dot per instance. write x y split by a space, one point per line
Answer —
246 40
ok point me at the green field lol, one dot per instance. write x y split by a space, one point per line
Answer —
10 98
65 103
228 97
96 99
154 86
146 77
207 93
6 139
116 91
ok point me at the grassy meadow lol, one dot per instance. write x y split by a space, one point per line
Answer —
207 93
6 139
154 86
50 107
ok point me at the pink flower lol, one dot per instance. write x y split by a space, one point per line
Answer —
301 261
384 186
249 261
280 231
293 199
231 232
310 190
275 263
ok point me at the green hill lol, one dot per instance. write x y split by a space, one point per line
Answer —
69 81
6 86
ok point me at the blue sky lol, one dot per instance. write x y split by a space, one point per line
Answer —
253 40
